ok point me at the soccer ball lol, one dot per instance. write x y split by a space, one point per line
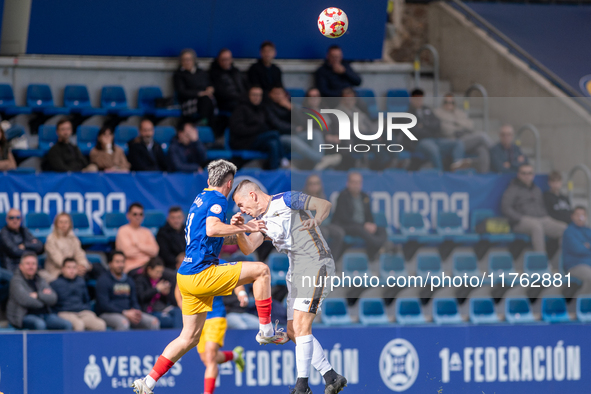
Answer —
333 22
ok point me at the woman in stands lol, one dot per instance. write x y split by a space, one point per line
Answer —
106 155
7 161
62 243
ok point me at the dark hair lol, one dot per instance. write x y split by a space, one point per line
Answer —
145 119
28 253
61 122
174 209
222 51
69 260
554 176
102 131
579 207
153 263
2 140
135 205
334 46
255 86
115 253
524 165
417 92
182 123
267 44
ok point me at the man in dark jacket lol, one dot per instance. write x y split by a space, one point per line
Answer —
186 152
335 75
353 214
523 205
171 237
249 129
264 73
557 204
505 156
228 82
576 249
116 299
65 156
145 154
15 240
31 298
73 301
193 88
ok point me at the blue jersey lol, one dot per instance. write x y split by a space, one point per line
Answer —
218 309
203 251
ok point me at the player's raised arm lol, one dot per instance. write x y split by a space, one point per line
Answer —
214 227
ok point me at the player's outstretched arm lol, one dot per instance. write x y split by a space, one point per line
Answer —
250 243
214 227
322 208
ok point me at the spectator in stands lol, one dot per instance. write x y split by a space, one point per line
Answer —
65 156
7 161
237 315
137 243
431 142
193 88
334 234
335 74
107 156
455 124
576 249
31 298
145 154
353 214
186 152
264 73
116 299
523 205
156 295
229 83
171 237
249 129
557 204
506 156
73 301
62 243
16 239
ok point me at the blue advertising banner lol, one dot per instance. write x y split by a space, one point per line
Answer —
11 363
425 359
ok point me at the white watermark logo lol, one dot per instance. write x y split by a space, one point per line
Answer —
399 364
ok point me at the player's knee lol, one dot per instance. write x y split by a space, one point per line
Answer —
264 270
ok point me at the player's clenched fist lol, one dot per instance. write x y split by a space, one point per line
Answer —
237 219
255 226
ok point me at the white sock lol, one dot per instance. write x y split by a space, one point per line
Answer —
267 329
319 360
150 382
304 351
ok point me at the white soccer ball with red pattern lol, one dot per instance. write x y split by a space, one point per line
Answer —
333 22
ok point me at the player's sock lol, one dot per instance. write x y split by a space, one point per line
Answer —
319 360
304 350
160 368
264 312
208 385
330 376
228 355
301 384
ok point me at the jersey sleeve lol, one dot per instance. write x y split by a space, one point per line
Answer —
296 200
217 208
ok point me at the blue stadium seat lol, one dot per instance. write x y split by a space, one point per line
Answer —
518 310
482 311
279 265
2 219
8 107
114 100
465 263
47 137
535 262
164 135
477 216
446 311
355 264
83 230
77 99
449 225
153 220
369 97
335 312
500 263
413 227
391 265
397 100
124 134
40 99
428 263
207 137
584 309
372 311
93 259
554 310
39 224
295 92
86 138
409 311
243 154
111 223
146 98
15 131
41 260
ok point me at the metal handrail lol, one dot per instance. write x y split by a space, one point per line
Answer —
538 143
417 67
484 93
570 186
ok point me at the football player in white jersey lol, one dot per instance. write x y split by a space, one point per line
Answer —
295 231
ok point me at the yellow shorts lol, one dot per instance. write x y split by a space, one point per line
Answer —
199 289
214 330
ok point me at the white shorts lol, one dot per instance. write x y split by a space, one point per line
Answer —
306 298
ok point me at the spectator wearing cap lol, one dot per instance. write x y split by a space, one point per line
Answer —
576 249
335 74
137 243
16 239
506 156
145 154
65 156
264 72
186 152
557 204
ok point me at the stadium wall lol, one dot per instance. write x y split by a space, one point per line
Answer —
427 359
468 55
